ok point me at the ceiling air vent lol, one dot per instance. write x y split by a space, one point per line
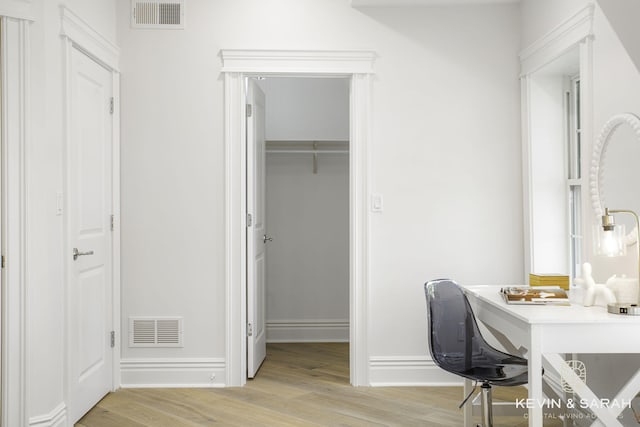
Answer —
167 14
155 332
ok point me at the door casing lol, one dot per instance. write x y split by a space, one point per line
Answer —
357 66
16 121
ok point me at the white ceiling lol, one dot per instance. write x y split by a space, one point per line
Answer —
356 3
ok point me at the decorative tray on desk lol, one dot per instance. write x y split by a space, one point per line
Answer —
537 295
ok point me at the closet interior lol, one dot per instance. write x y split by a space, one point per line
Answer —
307 209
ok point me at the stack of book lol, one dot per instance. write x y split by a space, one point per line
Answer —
538 295
559 280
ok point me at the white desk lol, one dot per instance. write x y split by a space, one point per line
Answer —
546 333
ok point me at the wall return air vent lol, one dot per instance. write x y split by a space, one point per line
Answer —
160 14
155 332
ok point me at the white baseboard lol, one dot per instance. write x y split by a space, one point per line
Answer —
173 372
385 371
308 330
56 418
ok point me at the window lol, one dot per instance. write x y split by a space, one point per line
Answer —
555 124
574 173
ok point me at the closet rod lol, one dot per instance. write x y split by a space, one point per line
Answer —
308 151
307 141
306 147
311 146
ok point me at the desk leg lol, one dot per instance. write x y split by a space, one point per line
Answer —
535 377
605 416
467 409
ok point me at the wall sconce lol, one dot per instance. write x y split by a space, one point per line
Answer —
610 238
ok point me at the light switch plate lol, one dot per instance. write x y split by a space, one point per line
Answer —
59 203
377 204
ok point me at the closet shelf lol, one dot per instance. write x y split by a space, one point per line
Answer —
308 147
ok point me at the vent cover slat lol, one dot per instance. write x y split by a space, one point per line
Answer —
169 13
159 14
155 332
168 332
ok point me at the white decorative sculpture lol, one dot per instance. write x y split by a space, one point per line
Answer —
624 288
593 290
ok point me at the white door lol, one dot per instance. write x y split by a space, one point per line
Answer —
256 232
89 192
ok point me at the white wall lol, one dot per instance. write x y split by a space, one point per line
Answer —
308 260
445 155
616 90
447 161
44 258
622 15
307 213
539 17
307 108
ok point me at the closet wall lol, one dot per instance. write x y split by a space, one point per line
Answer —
307 213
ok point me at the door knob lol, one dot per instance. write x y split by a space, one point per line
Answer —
265 239
77 253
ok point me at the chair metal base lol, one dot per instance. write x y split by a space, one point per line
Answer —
487 405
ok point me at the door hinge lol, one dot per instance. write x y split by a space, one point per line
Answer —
112 220
249 220
113 339
2 262
249 110
111 107
249 330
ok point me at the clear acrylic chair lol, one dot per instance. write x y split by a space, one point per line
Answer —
457 346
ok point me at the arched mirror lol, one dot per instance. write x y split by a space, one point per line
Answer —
615 175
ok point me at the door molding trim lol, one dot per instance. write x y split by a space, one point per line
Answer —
77 34
297 62
88 40
56 418
558 41
18 9
358 67
15 138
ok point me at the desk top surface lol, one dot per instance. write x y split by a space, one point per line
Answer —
545 314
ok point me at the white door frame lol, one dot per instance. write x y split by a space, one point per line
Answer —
358 67
15 133
78 35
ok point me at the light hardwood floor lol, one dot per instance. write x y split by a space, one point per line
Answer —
298 385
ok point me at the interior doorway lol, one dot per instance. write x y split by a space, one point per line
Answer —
300 212
357 67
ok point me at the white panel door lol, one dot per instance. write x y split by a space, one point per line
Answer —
90 355
256 232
